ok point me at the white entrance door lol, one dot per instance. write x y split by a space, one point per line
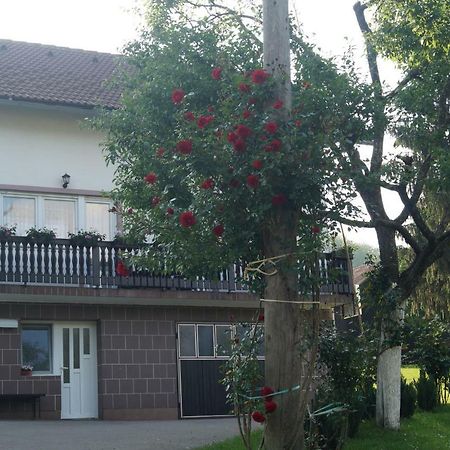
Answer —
76 347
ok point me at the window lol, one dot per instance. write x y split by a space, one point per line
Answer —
62 214
223 337
19 212
59 216
187 340
98 218
36 347
207 341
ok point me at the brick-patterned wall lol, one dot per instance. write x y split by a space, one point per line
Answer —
11 382
136 355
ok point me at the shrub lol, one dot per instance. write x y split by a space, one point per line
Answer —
427 395
348 365
408 398
427 345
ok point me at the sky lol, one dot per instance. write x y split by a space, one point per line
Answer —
107 25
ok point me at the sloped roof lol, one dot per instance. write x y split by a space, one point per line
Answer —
360 274
57 75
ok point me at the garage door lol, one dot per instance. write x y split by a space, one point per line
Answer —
202 352
203 349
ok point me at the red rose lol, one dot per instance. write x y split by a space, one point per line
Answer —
279 200
271 127
177 96
298 123
239 146
187 219
204 120
274 146
189 116
246 114
207 184
278 104
258 417
130 211
232 137
160 152
243 131
185 147
253 181
121 269
218 230
261 317
155 201
257 164
151 178
315 229
216 73
270 406
244 87
259 76
170 211
266 391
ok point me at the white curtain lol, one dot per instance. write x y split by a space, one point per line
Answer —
19 212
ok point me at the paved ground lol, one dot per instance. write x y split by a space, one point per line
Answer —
113 435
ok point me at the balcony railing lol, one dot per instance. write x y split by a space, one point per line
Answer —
61 263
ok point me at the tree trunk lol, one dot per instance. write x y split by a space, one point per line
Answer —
388 388
389 372
285 337
285 323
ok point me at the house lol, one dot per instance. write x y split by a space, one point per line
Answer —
102 344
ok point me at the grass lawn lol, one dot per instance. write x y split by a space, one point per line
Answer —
424 431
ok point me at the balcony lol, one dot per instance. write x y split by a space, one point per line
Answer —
61 264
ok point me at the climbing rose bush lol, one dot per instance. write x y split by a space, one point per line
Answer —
226 155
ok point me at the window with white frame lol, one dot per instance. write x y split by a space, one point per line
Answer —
61 214
19 212
37 347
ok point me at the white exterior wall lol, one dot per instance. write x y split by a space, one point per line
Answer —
39 143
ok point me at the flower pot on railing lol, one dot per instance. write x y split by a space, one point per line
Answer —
40 236
87 239
26 371
6 233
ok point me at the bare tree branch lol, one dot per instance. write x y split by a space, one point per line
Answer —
413 74
371 52
417 191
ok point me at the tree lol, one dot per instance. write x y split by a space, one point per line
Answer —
416 36
208 152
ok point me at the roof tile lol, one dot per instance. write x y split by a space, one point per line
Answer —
57 75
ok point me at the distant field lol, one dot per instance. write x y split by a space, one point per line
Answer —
410 373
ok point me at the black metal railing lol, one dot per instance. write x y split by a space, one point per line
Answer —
62 263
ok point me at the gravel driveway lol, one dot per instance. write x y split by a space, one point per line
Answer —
113 435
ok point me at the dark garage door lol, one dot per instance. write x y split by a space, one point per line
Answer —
203 349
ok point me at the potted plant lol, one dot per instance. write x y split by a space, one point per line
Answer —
7 232
41 235
86 238
26 370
